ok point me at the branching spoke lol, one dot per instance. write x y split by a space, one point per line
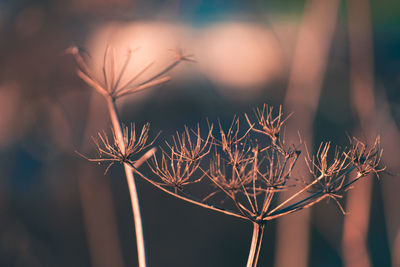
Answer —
199 203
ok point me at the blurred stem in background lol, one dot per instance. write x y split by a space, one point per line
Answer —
390 188
99 217
360 23
356 224
302 97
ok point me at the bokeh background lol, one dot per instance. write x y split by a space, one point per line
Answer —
335 64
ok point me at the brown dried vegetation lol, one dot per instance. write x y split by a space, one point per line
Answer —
244 170
249 167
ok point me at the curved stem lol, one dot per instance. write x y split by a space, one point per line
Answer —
258 232
112 108
191 198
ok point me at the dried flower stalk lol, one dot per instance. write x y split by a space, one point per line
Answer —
124 145
246 169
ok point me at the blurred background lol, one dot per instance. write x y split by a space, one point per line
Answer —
335 64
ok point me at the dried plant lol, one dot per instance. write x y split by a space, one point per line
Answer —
269 124
134 146
125 144
365 159
111 86
246 169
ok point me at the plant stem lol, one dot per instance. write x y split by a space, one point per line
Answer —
258 232
116 123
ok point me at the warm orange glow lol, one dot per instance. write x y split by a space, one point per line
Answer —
239 54
151 42
233 55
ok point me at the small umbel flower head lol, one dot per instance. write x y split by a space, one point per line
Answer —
134 144
189 145
320 165
175 170
269 124
234 180
365 159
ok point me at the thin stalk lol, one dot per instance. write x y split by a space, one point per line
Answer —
258 233
296 194
112 109
192 200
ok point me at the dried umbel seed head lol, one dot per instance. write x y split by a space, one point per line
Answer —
135 144
365 159
189 145
331 172
181 160
226 140
243 173
111 83
231 164
233 180
269 124
320 165
175 170
276 167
